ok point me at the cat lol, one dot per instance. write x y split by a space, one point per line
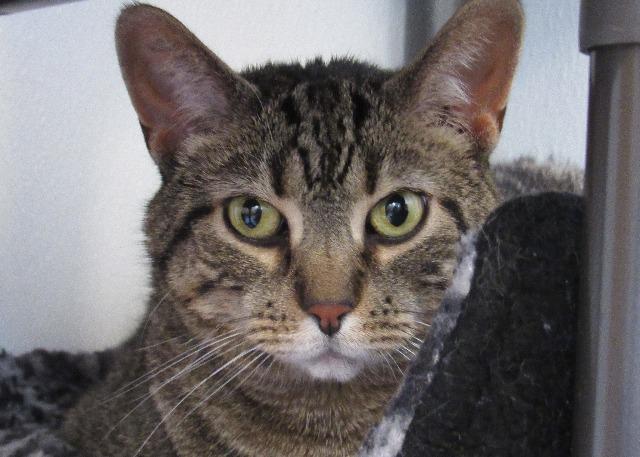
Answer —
302 238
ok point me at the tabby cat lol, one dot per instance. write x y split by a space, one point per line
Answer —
302 238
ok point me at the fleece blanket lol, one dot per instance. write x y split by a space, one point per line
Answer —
494 378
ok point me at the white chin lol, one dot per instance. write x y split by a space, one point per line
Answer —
331 368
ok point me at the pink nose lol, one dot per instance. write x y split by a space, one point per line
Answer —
329 316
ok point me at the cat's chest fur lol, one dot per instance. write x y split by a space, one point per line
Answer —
286 423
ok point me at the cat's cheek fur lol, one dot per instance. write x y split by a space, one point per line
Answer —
211 306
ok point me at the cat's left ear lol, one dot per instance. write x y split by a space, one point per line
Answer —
463 78
177 86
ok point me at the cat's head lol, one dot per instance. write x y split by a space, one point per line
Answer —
314 211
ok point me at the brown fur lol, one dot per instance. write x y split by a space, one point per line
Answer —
322 143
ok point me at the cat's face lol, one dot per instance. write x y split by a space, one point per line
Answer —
321 184
316 215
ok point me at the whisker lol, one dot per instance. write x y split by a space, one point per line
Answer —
204 359
402 354
253 371
415 345
372 373
396 363
166 416
408 350
208 396
155 308
266 370
151 346
417 341
218 388
189 368
236 386
197 363
422 323
170 363
384 357
155 371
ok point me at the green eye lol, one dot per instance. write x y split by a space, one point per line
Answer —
253 218
397 214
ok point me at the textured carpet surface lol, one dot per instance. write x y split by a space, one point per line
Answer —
35 391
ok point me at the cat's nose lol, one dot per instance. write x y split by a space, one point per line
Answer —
329 316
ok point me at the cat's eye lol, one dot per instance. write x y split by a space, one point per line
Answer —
254 218
398 214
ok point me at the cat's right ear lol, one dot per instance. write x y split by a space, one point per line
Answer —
177 86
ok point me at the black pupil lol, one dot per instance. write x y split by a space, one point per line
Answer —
251 213
396 210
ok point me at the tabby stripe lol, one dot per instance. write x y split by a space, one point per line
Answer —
347 165
183 232
372 163
456 213
277 170
306 165
290 110
361 108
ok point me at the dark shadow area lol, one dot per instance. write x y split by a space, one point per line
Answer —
424 19
16 6
420 26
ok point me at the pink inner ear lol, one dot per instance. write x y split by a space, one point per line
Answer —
158 109
176 84
161 92
488 82
153 107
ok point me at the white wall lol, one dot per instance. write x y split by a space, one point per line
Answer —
74 173
547 113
